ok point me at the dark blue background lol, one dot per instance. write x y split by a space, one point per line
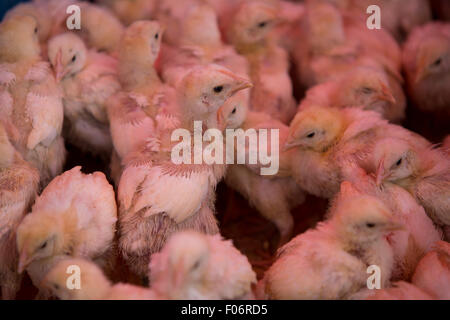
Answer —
5 5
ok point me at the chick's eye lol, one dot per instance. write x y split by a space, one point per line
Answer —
35 30
367 90
218 89
311 135
234 110
74 58
195 265
437 62
399 162
43 245
56 286
370 225
157 36
262 24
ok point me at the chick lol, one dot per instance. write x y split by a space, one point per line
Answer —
88 78
94 285
324 139
19 183
129 11
343 246
100 28
129 124
36 11
31 99
75 215
422 170
249 32
426 61
419 233
171 13
273 197
196 266
158 197
362 87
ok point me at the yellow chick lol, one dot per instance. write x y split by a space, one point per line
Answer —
249 32
31 99
343 246
324 139
158 197
426 63
88 79
19 183
94 285
196 266
75 215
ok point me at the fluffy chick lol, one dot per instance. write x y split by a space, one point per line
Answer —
129 124
30 97
19 183
193 265
419 233
273 197
362 87
426 61
249 32
324 139
422 170
75 215
158 197
343 246
88 78
94 285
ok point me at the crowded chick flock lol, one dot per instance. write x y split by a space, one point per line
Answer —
136 70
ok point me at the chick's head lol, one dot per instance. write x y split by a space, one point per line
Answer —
200 27
234 110
67 54
141 42
185 258
91 284
361 217
252 23
204 89
315 128
366 87
19 39
38 237
433 59
395 160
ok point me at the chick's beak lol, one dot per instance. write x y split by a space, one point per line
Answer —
221 121
386 94
23 261
290 144
380 174
59 69
241 85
